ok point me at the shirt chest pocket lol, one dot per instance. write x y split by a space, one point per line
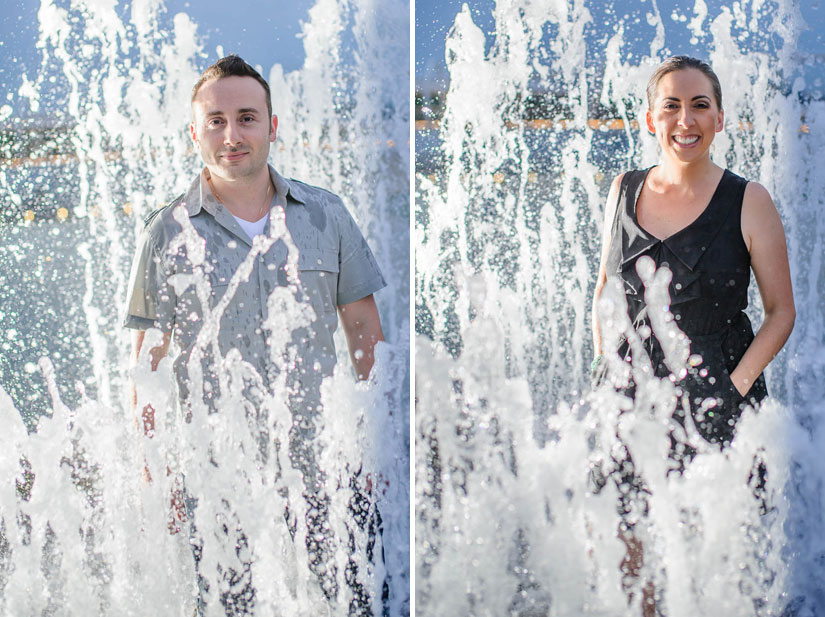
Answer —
219 278
318 273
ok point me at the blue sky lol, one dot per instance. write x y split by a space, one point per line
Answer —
263 32
433 19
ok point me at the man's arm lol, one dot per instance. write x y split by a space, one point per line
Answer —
147 420
362 326
157 353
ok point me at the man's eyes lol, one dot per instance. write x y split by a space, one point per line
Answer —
215 122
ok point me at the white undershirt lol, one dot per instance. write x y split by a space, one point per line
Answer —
252 229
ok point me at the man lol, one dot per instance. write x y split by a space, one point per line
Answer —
249 272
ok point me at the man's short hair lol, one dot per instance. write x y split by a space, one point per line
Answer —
233 66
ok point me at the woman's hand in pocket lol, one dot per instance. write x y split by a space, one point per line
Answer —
740 383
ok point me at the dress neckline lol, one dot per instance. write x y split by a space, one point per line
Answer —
699 217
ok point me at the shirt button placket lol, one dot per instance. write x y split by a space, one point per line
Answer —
262 296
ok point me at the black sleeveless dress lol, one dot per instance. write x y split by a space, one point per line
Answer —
709 293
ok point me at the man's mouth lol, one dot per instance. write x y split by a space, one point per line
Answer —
685 140
234 156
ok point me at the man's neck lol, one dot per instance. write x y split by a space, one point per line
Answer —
246 198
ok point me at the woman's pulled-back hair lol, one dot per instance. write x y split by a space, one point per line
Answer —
678 63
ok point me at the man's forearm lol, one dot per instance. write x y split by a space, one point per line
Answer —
362 352
147 415
362 326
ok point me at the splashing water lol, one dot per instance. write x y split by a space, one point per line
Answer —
507 433
82 532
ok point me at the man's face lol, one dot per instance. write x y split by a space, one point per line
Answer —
231 127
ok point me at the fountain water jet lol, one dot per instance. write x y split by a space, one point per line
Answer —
508 243
81 532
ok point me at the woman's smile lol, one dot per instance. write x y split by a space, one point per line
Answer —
686 140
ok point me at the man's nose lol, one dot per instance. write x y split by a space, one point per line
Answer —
231 134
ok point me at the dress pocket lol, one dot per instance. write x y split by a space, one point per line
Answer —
711 376
728 382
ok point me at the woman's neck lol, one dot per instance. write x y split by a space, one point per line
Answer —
674 173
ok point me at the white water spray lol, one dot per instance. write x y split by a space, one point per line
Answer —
82 532
508 434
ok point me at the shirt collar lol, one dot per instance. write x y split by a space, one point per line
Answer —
200 197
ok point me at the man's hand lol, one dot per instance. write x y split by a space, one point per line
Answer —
362 326
146 423
382 484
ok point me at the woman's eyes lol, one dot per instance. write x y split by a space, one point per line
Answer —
699 105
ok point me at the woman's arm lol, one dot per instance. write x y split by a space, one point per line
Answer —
765 238
609 215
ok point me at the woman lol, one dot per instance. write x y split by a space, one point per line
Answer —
710 227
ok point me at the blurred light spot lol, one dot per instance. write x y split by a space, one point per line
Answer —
62 213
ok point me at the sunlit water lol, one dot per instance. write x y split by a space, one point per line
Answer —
508 230
82 533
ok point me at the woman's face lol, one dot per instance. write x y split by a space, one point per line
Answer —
685 116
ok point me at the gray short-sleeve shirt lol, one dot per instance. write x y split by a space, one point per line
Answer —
196 238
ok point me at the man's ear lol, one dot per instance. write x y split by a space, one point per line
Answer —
194 135
273 130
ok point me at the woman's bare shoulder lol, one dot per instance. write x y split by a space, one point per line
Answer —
760 218
757 197
612 202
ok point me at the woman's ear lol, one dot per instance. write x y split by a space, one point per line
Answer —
649 121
